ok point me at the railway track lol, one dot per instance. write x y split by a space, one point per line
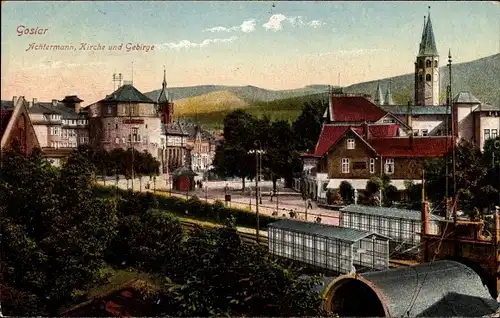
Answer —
251 239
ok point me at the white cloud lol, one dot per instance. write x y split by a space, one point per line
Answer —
47 65
186 44
355 52
275 22
246 27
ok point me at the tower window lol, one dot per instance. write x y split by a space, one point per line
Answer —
435 63
420 78
428 63
428 77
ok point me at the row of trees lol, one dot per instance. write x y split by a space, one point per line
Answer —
119 162
58 237
280 141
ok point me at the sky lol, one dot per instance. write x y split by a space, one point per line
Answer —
273 45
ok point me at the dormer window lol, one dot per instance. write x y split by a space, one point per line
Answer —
428 77
350 143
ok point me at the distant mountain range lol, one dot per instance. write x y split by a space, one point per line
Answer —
480 77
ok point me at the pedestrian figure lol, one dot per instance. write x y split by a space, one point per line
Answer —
309 203
271 195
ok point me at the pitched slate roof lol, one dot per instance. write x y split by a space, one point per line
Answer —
7 104
163 97
428 43
72 99
330 134
184 171
174 128
487 108
128 93
387 212
420 147
191 129
355 109
416 110
466 98
49 108
317 229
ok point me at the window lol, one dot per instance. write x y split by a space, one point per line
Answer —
486 134
435 63
109 110
415 132
389 166
425 132
345 165
56 131
146 126
116 126
428 77
372 165
135 134
428 63
439 132
494 133
350 143
117 140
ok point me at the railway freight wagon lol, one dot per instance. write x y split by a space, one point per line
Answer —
401 226
334 248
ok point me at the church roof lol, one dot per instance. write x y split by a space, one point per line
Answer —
379 97
163 97
388 96
128 93
416 110
428 43
466 98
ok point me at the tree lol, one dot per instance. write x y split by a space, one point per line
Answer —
307 127
346 192
232 157
217 275
52 243
281 154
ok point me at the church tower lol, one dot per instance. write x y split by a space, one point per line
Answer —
166 108
427 68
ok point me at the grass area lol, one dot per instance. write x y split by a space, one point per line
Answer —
117 278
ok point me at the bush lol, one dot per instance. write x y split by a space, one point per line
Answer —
346 192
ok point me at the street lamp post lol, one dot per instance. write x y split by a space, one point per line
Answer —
154 184
258 160
277 196
206 193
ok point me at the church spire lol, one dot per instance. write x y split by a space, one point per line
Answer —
379 97
388 95
163 97
428 42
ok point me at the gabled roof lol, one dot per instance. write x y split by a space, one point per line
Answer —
330 134
354 109
72 99
49 108
413 147
174 128
128 93
428 43
465 98
8 118
317 229
192 129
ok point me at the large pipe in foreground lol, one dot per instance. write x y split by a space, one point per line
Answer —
442 288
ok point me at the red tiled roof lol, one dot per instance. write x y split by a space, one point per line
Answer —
422 146
331 134
355 109
5 116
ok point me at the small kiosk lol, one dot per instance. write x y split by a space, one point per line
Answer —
183 179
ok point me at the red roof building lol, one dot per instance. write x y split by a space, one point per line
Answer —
414 147
354 109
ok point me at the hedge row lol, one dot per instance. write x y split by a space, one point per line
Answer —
192 207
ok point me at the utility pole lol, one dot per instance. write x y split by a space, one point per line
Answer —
453 128
257 233
131 145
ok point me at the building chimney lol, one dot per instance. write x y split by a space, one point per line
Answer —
425 216
366 130
30 104
54 102
35 101
14 100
